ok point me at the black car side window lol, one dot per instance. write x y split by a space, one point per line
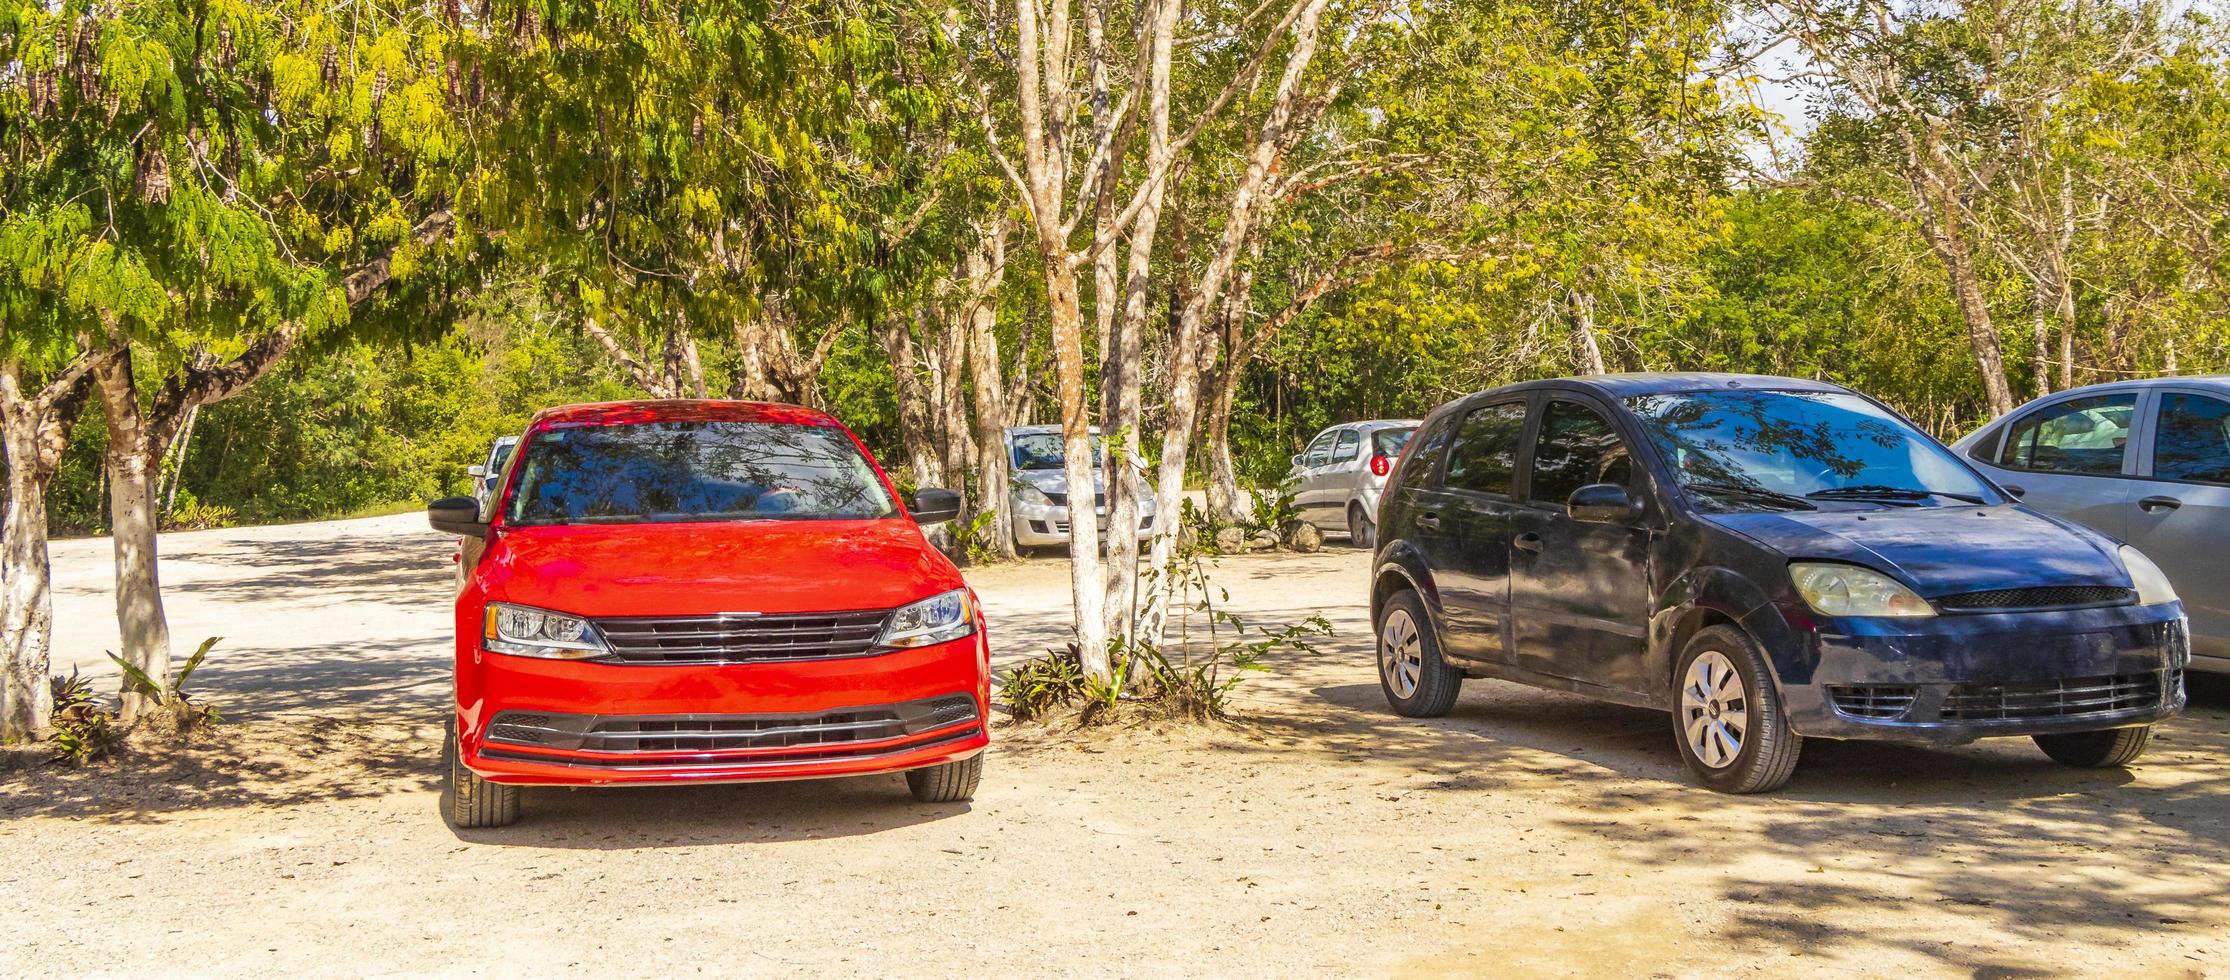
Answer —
2193 439
1417 469
1485 455
2080 435
1576 447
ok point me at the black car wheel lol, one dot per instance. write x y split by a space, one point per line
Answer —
473 801
1361 531
2109 749
1727 715
953 782
1416 681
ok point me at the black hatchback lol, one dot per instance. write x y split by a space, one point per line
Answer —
1768 559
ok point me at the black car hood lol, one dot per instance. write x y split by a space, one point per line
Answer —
1942 550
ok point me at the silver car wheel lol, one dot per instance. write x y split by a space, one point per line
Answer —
1401 654
1714 710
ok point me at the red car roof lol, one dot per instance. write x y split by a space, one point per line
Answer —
679 410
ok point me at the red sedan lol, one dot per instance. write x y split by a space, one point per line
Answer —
706 591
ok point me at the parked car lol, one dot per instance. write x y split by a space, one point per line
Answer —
1337 480
2147 462
486 472
1040 491
1768 559
703 591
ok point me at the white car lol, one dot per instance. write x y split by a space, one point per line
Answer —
1337 480
1040 488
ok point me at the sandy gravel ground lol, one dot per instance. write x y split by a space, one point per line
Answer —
1529 833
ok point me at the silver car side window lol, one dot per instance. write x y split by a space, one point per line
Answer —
2081 435
1319 450
1344 450
2192 441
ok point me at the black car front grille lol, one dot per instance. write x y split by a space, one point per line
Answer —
649 734
2055 699
2052 597
1099 501
711 732
1876 701
735 639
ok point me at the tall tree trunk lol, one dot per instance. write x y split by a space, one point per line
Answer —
986 268
34 431
1950 246
913 402
133 456
174 464
1224 498
1185 347
1589 353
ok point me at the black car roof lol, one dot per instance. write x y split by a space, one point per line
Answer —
1669 382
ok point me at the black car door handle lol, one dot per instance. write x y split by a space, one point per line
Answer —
2150 504
1429 521
1528 542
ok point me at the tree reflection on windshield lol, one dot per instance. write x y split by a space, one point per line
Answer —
694 471
1784 449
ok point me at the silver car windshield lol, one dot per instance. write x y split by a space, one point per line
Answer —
1792 450
1043 450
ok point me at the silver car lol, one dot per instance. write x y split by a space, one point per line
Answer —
486 472
1040 490
2145 461
1337 480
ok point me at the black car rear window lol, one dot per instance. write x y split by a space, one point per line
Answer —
662 472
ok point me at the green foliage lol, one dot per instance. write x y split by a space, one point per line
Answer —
82 728
185 713
1039 685
1274 509
973 538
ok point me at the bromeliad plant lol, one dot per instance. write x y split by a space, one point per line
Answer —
184 711
83 727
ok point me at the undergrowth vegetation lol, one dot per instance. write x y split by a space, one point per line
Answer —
1187 674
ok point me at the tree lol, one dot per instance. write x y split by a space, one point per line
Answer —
247 195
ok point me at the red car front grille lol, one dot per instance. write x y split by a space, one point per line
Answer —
733 638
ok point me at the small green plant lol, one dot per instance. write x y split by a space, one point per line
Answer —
975 540
183 710
82 728
190 514
1042 684
1274 509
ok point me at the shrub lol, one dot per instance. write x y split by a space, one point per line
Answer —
82 728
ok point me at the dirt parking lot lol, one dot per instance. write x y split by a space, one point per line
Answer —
1529 833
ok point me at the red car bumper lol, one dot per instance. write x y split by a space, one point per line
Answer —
555 722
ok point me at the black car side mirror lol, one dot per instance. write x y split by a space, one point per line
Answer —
2016 492
935 506
1603 503
457 515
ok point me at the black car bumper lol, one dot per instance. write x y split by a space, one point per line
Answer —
1956 678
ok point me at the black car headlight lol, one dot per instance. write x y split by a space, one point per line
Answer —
1836 589
2153 587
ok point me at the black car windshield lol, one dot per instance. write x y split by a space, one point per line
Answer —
1793 450
1044 451
665 472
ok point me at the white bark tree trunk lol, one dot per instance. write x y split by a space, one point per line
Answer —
1589 352
133 456
34 431
1247 207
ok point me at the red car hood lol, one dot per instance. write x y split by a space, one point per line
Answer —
736 566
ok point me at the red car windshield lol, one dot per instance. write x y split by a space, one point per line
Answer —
669 472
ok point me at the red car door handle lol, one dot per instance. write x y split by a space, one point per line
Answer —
2150 504
1528 542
